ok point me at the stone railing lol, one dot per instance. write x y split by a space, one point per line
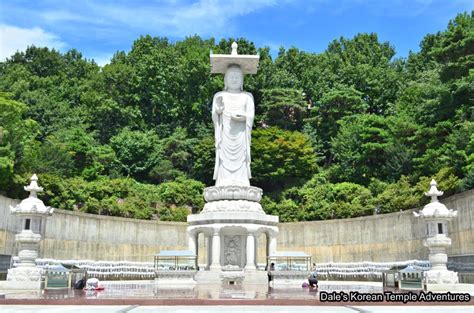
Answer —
363 270
123 270
107 270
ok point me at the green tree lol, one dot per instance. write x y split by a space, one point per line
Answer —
337 103
182 193
16 131
364 64
50 156
281 158
135 151
360 148
319 199
283 107
203 167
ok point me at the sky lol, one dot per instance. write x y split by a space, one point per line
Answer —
100 28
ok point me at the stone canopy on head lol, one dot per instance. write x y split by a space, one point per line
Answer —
221 62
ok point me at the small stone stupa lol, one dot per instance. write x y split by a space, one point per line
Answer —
232 219
32 213
436 217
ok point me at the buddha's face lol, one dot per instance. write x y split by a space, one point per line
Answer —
233 78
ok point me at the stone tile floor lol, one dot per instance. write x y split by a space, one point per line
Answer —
145 296
148 290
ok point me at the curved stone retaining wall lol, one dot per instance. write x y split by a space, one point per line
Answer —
381 238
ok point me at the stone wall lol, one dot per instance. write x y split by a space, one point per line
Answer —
74 235
8 226
379 238
387 237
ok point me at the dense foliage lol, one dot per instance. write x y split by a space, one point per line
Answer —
347 132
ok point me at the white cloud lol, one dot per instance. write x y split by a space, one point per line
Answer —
14 39
53 16
168 18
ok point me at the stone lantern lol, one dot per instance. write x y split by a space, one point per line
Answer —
436 217
32 213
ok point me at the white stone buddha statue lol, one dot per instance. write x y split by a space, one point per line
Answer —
232 114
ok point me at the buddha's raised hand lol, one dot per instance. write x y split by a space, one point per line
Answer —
219 104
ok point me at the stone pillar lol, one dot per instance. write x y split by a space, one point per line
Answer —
216 251
250 252
192 243
209 251
272 245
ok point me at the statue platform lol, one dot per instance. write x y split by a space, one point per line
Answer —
231 221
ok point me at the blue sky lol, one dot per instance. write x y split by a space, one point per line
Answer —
99 28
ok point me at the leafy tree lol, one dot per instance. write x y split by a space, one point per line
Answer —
203 167
50 156
454 47
403 195
399 196
135 151
468 169
281 158
337 103
15 130
364 64
361 148
283 107
287 210
182 192
174 214
319 199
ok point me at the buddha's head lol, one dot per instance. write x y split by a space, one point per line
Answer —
234 79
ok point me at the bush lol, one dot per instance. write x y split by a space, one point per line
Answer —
182 192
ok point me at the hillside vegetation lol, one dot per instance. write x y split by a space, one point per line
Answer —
343 133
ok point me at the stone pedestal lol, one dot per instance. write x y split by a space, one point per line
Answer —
24 274
439 274
26 270
233 218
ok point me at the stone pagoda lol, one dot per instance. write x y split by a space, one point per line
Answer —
32 213
436 217
232 218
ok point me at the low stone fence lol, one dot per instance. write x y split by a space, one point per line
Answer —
464 266
108 270
363 271
123 270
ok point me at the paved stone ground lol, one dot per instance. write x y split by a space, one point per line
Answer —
149 290
229 309
143 296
